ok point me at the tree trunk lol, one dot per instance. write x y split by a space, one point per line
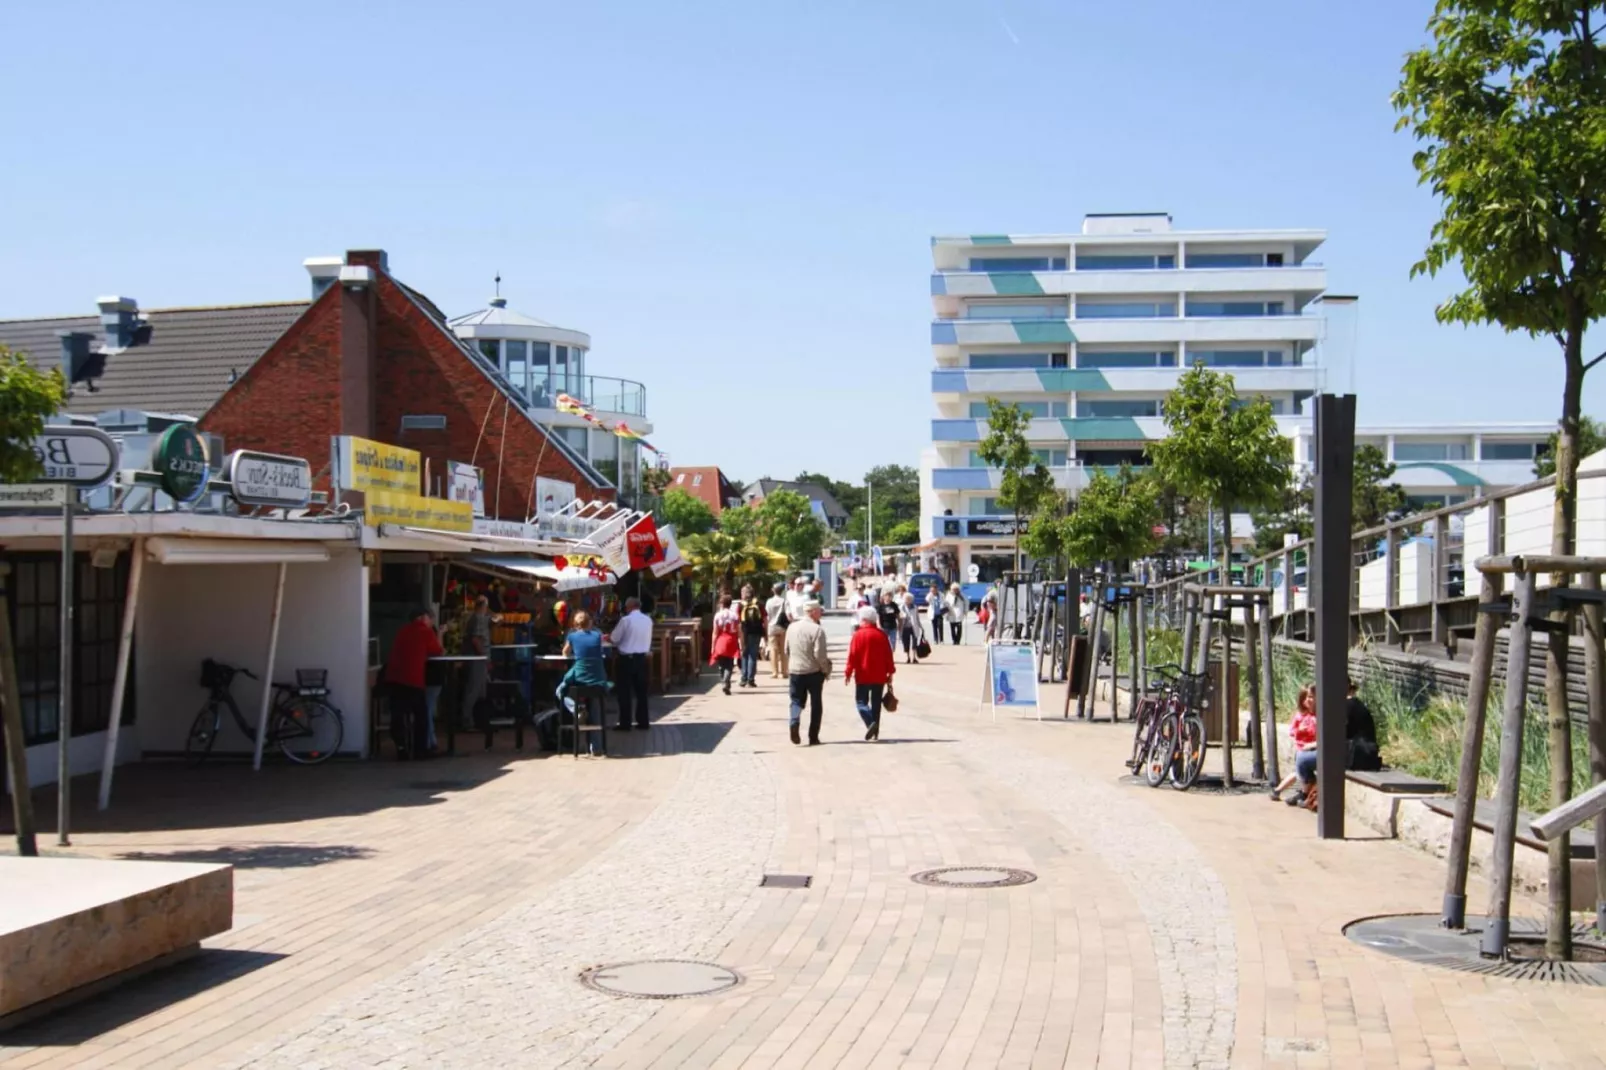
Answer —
1558 929
1226 541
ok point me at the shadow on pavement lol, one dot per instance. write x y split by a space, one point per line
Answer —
260 856
77 1023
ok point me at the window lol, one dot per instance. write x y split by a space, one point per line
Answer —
1016 310
488 349
1086 358
517 368
1233 260
1105 407
1430 451
1235 358
1111 458
987 507
1197 307
560 372
1009 360
1017 263
541 374
1417 503
1124 261
680 477
1050 409
1510 451
575 437
1057 360
1052 458
1099 309
697 480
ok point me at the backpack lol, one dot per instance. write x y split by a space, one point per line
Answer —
753 616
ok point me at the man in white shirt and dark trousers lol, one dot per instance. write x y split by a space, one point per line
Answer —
632 638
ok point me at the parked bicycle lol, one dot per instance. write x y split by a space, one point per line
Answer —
301 722
1169 738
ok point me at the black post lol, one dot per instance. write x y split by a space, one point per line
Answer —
1330 589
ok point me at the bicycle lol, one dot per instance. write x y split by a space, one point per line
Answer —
1169 742
305 727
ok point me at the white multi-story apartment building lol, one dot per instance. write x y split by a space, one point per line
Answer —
1090 331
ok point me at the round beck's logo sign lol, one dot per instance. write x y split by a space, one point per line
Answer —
180 459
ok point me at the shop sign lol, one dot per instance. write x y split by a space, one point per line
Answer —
269 479
415 510
77 456
615 550
465 483
999 527
641 542
505 529
672 559
365 465
551 495
32 495
179 458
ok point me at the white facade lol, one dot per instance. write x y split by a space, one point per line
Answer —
1090 332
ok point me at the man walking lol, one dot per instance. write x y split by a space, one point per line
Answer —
797 597
754 620
776 619
632 638
809 665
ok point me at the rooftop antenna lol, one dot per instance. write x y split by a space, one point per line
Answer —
498 284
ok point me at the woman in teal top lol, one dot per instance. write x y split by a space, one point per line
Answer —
584 645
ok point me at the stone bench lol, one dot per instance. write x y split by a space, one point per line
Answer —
71 926
1395 782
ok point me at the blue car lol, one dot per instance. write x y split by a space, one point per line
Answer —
920 585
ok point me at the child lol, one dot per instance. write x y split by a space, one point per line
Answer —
1302 730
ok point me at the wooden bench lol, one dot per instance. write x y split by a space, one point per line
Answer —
1581 841
1395 782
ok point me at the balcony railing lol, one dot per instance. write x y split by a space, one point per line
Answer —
601 392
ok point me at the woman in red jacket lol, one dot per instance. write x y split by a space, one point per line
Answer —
870 658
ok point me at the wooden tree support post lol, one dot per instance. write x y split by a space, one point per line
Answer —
1454 913
1224 693
1268 698
1595 688
1115 656
1084 699
1497 925
1189 624
1252 626
1135 641
1143 643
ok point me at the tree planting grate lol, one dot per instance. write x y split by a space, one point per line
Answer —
974 877
1420 938
660 979
785 880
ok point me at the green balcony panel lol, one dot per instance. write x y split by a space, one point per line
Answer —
1043 332
1103 428
1060 381
990 239
1015 284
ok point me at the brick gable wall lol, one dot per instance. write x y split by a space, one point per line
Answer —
289 401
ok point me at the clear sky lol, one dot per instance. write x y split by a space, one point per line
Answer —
734 199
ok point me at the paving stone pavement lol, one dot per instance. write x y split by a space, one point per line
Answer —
379 927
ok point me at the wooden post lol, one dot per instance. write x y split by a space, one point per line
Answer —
1454 912
1189 623
1115 655
1269 699
1252 626
1084 701
1439 532
1497 924
11 715
1143 642
1595 689
1558 740
1288 590
1135 641
125 646
1225 694
1206 604
1391 586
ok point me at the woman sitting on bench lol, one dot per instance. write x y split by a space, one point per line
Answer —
1302 730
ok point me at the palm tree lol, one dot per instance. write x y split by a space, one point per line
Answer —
716 557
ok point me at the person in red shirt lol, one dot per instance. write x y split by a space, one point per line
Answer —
410 651
870 659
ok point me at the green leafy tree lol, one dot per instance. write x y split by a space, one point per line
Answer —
903 533
1289 514
690 515
788 524
1591 440
1114 519
1044 537
1026 482
717 557
1222 449
1507 104
847 495
28 397
740 520
655 480
1374 494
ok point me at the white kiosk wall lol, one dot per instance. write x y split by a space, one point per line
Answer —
191 612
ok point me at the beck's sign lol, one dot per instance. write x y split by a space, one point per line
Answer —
76 456
269 479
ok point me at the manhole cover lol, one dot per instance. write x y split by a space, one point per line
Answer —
974 877
785 880
661 979
1420 938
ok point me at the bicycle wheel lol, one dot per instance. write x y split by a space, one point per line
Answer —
1190 753
308 730
203 733
1162 750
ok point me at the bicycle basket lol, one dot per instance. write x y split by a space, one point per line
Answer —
312 681
215 674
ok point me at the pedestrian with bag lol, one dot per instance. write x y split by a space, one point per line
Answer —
888 616
809 665
870 659
909 628
776 618
726 647
754 622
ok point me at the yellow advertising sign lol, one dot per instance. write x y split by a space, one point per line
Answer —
368 465
415 510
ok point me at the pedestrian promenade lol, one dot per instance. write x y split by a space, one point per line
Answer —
440 914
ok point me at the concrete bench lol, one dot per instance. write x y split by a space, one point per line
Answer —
1580 842
1395 782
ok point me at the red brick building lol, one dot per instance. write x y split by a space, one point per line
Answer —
372 357
707 483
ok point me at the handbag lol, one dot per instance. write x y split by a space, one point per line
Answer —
889 701
923 648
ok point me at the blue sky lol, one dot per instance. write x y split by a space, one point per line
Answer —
734 199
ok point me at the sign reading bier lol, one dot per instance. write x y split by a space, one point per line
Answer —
365 465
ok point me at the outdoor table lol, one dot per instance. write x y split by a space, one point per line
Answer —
523 677
454 664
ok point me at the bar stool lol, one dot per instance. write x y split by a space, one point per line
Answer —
683 658
583 695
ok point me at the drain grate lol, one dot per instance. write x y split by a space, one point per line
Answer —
974 877
1419 938
785 880
660 979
